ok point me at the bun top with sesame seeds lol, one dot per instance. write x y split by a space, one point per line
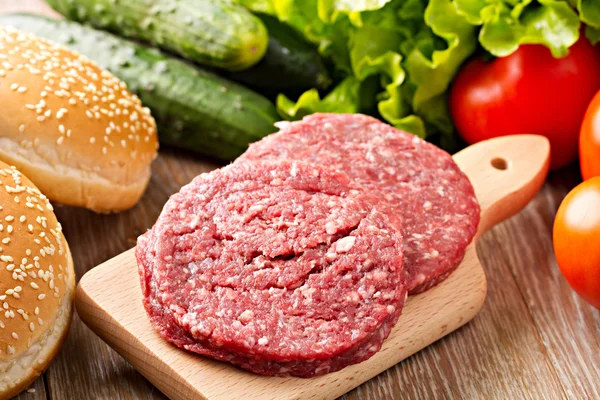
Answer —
71 126
37 282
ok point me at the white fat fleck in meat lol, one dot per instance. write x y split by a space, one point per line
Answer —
294 169
353 297
330 228
427 205
246 316
370 156
250 341
417 236
330 257
256 208
263 341
193 268
345 244
282 124
391 309
194 221
380 275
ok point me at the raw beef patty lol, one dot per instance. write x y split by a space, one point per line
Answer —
279 268
435 199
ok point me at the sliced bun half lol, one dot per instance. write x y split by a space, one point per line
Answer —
73 128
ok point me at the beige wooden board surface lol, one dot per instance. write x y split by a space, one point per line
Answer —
109 299
533 339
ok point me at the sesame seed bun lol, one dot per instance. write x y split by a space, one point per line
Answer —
37 282
73 128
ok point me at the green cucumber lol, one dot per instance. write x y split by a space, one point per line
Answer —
291 65
194 109
217 33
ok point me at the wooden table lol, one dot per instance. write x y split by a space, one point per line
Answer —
534 338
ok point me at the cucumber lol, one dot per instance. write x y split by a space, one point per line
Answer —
291 65
194 109
217 33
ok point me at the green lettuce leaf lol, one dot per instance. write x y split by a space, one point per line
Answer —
593 34
589 12
397 58
344 98
330 9
413 58
505 25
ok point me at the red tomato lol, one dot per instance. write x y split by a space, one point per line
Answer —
529 91
589 141
577 240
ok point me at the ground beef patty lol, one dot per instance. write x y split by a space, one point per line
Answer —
435 199
279 268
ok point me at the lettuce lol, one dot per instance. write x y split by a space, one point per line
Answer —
506 25
397 58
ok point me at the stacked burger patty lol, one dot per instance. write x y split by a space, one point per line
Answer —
296 259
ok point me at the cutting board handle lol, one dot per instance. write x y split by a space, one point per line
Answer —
506 173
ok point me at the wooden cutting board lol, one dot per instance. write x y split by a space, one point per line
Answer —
506 173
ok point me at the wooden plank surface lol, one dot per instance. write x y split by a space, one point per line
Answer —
534 338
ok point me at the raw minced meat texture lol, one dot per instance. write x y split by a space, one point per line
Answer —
279 267
424 185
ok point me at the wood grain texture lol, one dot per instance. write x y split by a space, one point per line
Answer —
109 299
534 338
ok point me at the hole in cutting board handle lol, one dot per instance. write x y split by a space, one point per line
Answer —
499 163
